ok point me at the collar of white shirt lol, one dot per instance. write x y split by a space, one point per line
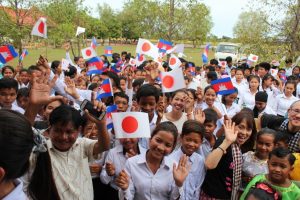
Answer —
17 193
166 162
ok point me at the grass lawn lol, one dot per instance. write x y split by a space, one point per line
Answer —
193 54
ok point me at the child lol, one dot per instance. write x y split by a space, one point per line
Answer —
283 101
153 175
191 139
23 98
115 161
210 124
280 165
263 191
8 94
256 162
261 105
228 101
247 97
16 143
121 100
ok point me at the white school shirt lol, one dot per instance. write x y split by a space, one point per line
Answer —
298 91
247 99
283 103
117 157
268 110
144 185
17 193
15 107
240 86
195 178
272 93
233 109
204 148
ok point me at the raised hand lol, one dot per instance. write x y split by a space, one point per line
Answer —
70 88
40 91
100 108
199 115
230 133
122 181
110 168
181 171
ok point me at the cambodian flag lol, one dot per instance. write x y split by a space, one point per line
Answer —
109 110
192 69
22 56
7 53
95 66
114 69
105 89
205 54
164 45
108 51
94 43
223 86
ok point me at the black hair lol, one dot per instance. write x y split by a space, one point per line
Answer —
259 191
210 116
265 65
289 60
9 83
178 91
23 92
268 131
16 143
282 137
192 126
64 114
207 88
71 72
7 67
146 91
123 78
228 59
168 127
214 62
124 53
23 70
210 68
55 64
76 58
281 152
138 82
291 82
92 86
122 95
193 91
212 75
266 77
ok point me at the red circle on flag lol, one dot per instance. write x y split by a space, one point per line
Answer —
41 27
88 52
141 58
254 58
168 81
172 61
130 124
146 47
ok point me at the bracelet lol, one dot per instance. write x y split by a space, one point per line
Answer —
224 152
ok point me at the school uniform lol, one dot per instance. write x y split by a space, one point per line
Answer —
232 110
240 86
194 180
144 185
118 157
283 103
17 193
247 99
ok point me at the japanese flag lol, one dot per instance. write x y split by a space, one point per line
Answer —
174 62
172 81
88 53
80 30
132 62
178 48
40 28
65 64
131 124
253 58
147 48
223 63
274 72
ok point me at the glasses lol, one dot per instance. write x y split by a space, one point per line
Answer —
294 111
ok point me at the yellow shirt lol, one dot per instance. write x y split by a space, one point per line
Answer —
295 174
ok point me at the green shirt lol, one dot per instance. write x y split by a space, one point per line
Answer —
288 193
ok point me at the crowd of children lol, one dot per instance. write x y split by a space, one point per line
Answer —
243 145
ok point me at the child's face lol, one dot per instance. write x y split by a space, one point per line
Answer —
209 128
90 130
254 83
148 105
191 143
210 97
50 107
289 89
7 97
129 143
123 84
24 78
23 102
264 145
161 144
122 104
8 73
279 169
260 105
231 98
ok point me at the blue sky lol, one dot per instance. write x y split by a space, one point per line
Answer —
224 12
